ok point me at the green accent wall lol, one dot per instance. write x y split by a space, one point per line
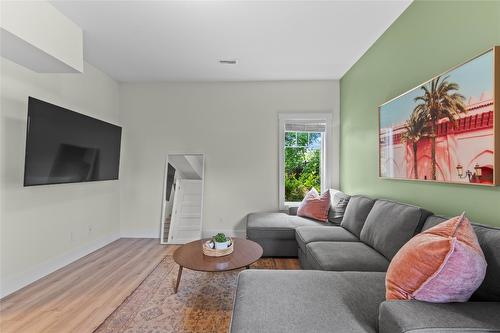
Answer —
426 40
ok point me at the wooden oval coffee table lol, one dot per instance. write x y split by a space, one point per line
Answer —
191 256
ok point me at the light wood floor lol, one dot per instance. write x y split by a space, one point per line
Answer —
80 296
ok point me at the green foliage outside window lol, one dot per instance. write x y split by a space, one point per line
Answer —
302 164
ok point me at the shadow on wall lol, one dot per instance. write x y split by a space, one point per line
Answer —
14 114
241 225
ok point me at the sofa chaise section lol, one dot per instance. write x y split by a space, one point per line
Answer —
307 301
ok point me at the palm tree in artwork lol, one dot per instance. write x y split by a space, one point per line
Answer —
415 130
440 100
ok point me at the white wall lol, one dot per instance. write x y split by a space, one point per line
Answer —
234 124
45 227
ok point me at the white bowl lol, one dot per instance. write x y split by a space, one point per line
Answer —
222 246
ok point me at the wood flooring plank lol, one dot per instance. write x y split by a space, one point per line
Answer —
59 294
42 290
81 295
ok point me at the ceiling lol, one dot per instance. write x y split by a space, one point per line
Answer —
137 41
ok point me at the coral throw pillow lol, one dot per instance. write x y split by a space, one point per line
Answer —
442 264
315 206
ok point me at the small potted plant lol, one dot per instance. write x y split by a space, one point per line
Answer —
221 241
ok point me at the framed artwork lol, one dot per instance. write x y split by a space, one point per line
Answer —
446 129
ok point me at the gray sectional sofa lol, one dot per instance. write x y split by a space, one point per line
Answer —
342 286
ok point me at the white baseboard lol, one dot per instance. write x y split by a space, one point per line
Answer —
211 232
146 233
14 283
207 233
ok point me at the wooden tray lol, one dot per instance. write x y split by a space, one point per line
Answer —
217 253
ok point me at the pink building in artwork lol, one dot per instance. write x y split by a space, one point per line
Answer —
469 143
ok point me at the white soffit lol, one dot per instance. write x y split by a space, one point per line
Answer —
137 41
36 35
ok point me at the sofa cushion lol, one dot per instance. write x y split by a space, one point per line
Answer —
276 225
345 256
306 235
489 240
356 212
432 221
390 225
415 316
307 301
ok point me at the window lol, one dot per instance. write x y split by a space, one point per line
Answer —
302 163
304 143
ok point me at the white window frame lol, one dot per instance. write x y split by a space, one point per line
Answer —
329 154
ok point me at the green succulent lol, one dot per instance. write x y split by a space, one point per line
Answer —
220 238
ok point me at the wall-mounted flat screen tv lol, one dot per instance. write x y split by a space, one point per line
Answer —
64 146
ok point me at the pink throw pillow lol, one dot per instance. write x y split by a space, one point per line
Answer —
442 264
315 206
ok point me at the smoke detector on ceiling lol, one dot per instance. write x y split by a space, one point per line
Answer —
228 61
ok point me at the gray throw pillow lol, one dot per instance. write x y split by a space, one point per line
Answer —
338 204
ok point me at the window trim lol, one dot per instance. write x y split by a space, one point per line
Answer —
329 163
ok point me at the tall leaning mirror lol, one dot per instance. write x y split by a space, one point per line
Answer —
182 203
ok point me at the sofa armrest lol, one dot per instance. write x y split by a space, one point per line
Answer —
423 317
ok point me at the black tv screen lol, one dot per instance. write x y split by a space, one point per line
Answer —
64 146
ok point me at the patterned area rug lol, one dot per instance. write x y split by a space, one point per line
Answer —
203 303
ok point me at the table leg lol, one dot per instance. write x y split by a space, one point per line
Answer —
178 279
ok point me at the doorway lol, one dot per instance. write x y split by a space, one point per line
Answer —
182 203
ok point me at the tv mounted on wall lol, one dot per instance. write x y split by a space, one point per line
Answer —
64 146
